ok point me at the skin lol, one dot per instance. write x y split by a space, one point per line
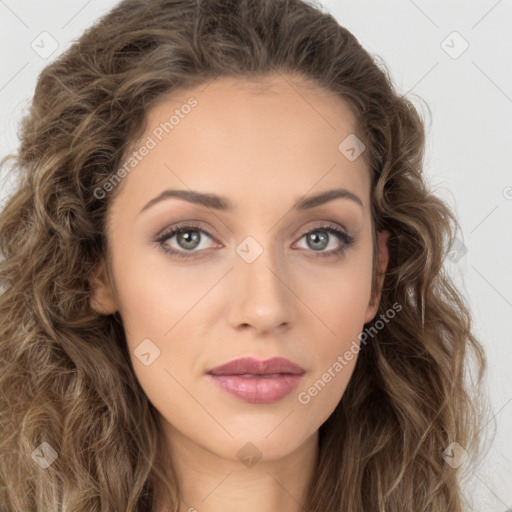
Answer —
263 148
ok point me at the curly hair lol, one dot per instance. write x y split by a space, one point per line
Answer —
66 378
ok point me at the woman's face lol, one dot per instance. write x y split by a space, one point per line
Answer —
252 283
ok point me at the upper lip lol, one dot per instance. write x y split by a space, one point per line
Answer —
251 366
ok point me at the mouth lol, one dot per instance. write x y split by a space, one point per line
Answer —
257 382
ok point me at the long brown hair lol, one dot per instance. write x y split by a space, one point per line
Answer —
65 376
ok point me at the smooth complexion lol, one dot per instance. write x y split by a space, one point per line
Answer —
263 149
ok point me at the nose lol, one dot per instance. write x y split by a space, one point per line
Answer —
262 297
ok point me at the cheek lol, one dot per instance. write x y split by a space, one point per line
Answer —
340 296
336 349
340 304
154 296
160 306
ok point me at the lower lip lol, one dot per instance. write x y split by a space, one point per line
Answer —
257 389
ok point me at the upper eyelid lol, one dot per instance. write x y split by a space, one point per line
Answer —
172 231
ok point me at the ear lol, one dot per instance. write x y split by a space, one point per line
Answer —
378 282
102 294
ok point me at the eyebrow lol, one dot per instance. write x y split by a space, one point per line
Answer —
224 204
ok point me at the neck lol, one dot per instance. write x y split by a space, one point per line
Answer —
211 483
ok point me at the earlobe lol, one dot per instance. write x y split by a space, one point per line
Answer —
382 265
102 298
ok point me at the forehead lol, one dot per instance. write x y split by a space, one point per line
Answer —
252 139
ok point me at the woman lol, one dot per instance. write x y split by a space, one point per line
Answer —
224 279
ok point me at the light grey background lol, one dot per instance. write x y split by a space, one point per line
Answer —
468 163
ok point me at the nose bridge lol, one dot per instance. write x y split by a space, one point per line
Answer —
262 298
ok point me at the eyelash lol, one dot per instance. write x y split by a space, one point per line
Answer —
347 240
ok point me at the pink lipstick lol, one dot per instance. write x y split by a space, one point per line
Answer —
257 382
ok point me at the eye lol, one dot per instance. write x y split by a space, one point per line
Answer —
320 237
188 238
